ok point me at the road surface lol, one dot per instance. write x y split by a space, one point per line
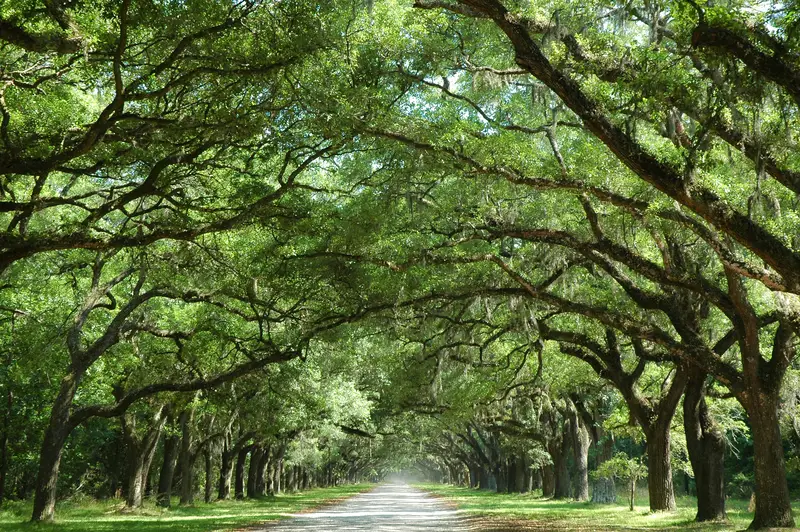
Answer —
390 507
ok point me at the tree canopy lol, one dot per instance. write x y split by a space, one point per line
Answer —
497 242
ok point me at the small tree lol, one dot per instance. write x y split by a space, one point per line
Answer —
623 467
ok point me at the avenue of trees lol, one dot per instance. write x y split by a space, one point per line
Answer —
249 247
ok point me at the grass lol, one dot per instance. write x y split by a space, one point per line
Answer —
493 511
98 516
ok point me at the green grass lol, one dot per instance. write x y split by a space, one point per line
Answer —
106 515
549 514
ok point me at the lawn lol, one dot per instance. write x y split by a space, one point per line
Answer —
493 511
106 515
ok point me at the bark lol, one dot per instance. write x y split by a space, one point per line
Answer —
525 473
580 448
226 463
252 472
773 506
209 475
187 458
241 458
141 450
560 456
271 477
261 472
279 473
536 480
659 469
500 474
225 473
164 495
290 479
706 446
484 480
55 436
548 481
519 484
603 489
473 476
662 176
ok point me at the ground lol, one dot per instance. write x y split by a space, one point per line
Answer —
385 508
494 512
388 508
88 515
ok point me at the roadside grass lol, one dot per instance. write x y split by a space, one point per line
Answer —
107 515
495 511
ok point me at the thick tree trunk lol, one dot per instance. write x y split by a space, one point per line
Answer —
148 466
252 472
141 451
164 495
603 489
290 479
135 490
548 481
55 436
501 485
580 451
241 458
525 473
560 456
706 446
659 468
483 478
225 474
261 472
209 475
773 506
186 459
519 484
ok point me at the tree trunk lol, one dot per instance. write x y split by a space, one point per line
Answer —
164 495
134 491
502 481
241 458
209 475
706 446
548 481
261 472
525 473
773 506
659 468
580 450
279 474
186 458
252 472
290 479
483 478
519 474
58 429
560 456
141 451
225 473
603 489
271 477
